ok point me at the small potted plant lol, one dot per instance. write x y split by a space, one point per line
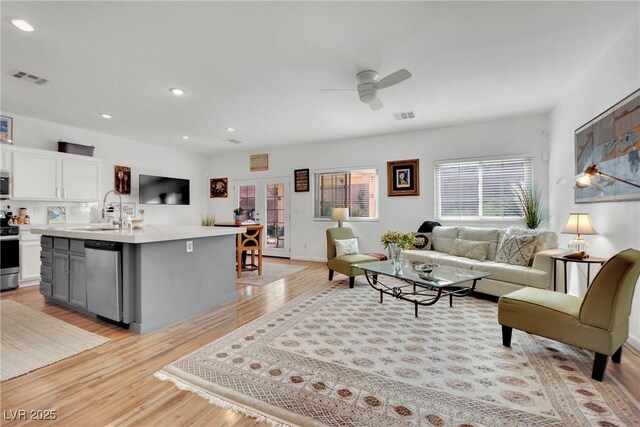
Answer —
237 215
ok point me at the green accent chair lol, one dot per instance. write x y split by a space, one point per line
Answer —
344 264
598 322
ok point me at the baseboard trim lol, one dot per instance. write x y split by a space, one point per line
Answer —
634 342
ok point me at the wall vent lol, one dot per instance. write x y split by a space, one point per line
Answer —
405 115
30 78
235 141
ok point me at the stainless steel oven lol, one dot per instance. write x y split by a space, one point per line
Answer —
5 184
9 257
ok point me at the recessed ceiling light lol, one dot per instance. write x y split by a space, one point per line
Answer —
185 137
105 115
23 25
176 91
230 129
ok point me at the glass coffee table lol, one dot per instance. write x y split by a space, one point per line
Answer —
417 287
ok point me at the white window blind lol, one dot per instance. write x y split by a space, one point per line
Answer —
481 189
353 189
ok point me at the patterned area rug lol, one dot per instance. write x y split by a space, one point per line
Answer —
336 356
270 273
31 339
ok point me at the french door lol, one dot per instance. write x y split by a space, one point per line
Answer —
266 201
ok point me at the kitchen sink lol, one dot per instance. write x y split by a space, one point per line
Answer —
95 229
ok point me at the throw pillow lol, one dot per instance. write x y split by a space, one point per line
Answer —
346 247
470 249
423 241
516 250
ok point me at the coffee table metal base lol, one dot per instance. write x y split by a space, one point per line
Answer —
417 291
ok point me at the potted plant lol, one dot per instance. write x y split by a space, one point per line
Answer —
237 215
208 221
529 206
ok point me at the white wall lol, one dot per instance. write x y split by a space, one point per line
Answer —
525 135
614 76
141 157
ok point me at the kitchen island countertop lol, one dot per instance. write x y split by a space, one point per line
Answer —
147 234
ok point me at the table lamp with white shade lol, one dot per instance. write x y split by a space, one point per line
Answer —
340 214
579 224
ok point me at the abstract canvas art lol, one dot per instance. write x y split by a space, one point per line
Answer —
612 142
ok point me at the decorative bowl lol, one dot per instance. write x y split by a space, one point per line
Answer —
424 268
137 223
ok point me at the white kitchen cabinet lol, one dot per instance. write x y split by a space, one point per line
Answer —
49 175
5 159
80 179
29 260
35 176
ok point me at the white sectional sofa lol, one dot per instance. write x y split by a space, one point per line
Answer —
504 278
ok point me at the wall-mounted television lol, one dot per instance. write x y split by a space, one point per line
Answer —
162 190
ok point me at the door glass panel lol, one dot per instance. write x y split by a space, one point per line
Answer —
248 201
275 216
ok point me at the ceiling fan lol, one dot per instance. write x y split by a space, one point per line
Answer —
369 82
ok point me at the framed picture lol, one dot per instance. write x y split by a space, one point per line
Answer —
301 179
259 162
6 130
122 179
612 142
218 187
403 178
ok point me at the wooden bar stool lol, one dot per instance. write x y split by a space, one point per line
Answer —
250 241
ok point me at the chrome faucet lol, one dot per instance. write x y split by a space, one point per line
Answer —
104 206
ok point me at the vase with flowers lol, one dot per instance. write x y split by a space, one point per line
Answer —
396 242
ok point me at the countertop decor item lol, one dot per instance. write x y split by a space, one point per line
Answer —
579 224
403 178
340 215
237 215
607 154
208 221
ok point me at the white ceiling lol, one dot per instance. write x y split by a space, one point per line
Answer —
259 67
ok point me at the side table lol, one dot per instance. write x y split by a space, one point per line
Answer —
588 261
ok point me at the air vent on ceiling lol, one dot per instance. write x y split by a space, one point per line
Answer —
235 141
30 78
405 115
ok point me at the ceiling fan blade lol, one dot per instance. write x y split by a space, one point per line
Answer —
338 90
393 79
376 104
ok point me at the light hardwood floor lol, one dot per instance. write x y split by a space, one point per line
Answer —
113 384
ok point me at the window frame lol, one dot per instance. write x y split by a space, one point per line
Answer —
342 170
528 157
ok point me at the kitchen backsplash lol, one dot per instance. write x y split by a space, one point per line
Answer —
37 211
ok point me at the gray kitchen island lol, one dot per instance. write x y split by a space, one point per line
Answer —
143 279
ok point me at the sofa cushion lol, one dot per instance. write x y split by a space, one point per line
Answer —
346 247
516 250
504 272
443 237
470 249
545 239
423 241
480 234
457 261
429 257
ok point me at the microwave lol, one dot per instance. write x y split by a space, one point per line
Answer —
5 184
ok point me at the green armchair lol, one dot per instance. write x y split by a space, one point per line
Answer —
344 264
598 322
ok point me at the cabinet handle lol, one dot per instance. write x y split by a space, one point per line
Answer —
64 192
57 192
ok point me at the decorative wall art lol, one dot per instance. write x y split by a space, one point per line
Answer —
403 178
218 187
259 162
122 179
56 215
612 142
6 130
301 180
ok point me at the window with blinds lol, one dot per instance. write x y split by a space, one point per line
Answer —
353 189
481 189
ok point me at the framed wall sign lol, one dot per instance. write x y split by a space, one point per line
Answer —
403 178
611 141
6 130
218 187
259 162
122 179
301 180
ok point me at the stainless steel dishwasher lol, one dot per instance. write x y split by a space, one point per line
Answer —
104 278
